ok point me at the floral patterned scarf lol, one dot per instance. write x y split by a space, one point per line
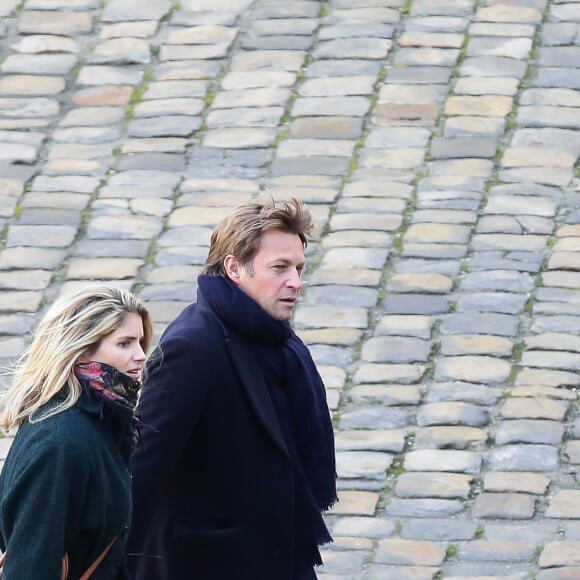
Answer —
110 383
118 394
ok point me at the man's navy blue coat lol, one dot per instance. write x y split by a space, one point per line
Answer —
212 477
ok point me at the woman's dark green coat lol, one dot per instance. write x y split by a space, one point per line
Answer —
65 488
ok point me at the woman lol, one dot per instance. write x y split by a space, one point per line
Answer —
65 487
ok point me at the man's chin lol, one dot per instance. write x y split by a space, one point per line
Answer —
284 315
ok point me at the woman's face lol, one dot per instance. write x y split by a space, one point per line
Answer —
122 348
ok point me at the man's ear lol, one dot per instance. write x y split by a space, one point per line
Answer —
232 268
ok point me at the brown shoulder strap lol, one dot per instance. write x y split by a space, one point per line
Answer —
64 574
96 563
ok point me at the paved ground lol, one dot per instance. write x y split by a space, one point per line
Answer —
437 144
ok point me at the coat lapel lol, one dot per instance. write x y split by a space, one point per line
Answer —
256 389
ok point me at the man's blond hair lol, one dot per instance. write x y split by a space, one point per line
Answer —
240 233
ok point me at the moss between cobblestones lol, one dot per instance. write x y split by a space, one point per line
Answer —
336 419
419 175
398 243
435 349
530 74
537 39
381 77
450 552
381 506
368 559
85 215
429 373
282 135
313 262
73 74
455 71
348 382
352 166
152 252
491 182
130 112
287 117
361 142
148 76
209 96
510 125
17 9
174 6
407 7
499 151
396 467
354 160
463 51
139 91
517 351
513 374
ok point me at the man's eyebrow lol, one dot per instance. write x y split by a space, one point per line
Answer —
286 261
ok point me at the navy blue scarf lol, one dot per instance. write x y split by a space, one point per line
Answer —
298 395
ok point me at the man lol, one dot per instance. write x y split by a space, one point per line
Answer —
236 460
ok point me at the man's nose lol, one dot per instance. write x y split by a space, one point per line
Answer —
295 281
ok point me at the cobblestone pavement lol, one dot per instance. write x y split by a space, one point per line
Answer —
437 144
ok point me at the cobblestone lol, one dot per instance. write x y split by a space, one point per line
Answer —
437 146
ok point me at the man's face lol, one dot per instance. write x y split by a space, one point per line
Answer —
272 278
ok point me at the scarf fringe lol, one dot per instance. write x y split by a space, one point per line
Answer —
329 505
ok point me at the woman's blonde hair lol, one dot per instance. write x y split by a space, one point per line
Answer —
73 327
240 233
